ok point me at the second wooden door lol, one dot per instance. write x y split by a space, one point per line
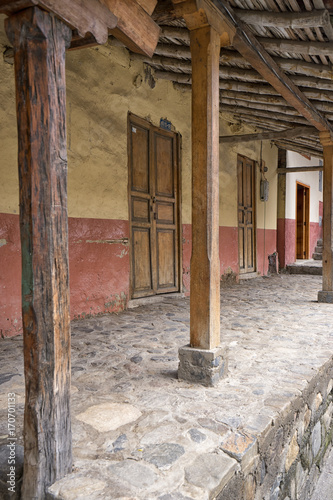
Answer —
246 214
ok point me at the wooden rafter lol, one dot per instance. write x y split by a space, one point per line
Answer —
253 52
296 46
302 20
288 133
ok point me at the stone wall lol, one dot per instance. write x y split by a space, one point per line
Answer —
291 450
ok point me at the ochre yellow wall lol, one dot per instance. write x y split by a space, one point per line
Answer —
103 84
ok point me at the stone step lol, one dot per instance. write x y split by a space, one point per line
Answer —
306 269
317 256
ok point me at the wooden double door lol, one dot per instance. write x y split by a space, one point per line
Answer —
154 209
246 214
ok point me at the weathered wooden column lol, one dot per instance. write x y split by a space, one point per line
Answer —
204 360
326 294
39 40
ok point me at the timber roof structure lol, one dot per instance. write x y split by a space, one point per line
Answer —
293 39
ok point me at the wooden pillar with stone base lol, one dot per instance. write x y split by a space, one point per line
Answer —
204 361
326 294
39 39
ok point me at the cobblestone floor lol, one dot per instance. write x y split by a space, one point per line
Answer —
139 432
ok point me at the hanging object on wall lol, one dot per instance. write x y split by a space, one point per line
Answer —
164 123
264 190
264 184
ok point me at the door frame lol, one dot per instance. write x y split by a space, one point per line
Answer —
307 219
135 119
254 194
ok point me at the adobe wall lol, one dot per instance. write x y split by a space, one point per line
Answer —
103 85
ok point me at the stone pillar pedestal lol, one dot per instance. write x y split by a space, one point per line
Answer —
325 296
204 366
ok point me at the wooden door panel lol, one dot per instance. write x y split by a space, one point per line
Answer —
140 159
241 248
164 160
141 262
140 210
166 275
249 253
165 213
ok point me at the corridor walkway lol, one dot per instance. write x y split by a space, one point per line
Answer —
140 433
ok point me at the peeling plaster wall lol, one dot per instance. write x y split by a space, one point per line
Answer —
103 85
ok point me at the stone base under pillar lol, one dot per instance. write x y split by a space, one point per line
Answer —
204 366
325 296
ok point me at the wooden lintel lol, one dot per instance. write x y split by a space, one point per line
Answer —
260 60
312 19
288 133
291 170
85 16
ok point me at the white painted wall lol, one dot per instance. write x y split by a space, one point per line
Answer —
311 179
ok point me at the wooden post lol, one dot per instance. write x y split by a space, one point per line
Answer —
197 360
326 294
39 40
205 264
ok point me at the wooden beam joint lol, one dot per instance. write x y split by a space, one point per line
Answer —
200 13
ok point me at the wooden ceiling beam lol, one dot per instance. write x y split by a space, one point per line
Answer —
93 20
312 19
301 149
85 16
135 28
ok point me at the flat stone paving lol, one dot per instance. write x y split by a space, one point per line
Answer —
139 432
